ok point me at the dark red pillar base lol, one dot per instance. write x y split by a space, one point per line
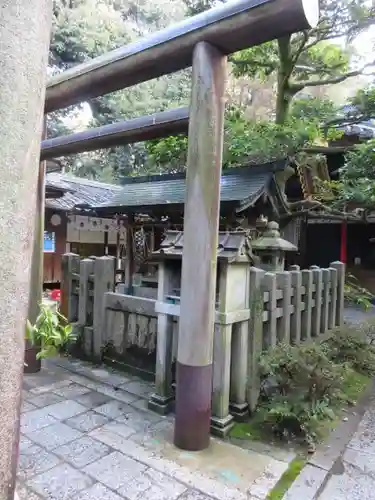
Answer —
32 365
193 407
344 238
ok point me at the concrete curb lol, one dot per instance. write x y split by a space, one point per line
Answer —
321 465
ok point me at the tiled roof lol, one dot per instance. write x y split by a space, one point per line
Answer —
241 186
78 191
365 129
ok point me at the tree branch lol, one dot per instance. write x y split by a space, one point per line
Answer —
296 87
301 48
252 61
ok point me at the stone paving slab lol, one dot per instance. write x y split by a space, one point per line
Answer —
36 419
98 492
351 484
88 421
115 470
36 462
46 399
82 451
86 433
54 435
65 409
93 399
307 485
343 468
60 483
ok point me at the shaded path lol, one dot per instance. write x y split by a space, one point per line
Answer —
86 434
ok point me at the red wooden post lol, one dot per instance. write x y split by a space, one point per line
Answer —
343 243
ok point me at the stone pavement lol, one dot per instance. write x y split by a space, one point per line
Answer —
86 434
356 314
344 467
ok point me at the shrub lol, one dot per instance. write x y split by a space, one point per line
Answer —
50 331
351 344
300 385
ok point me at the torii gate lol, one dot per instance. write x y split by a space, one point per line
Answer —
203 42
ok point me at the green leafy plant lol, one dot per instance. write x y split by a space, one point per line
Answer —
304 384
51 332
351 345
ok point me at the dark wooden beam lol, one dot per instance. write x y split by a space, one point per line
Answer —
230 27
145 128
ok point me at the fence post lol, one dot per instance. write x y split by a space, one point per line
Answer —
333 301
255 344
69 299
284 282
160 401
270 328
340 267
325 300
295 320
221 419
86 269
317 310
307 282
238 376
104 281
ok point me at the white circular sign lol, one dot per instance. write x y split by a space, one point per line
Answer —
55 220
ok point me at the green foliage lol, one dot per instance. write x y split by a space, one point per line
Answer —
83 29
168 154
357 177
314 108
355 294
245 141
307 384
311 58
51 332
351 345
290 475
304 386
194 7
263 141
364 104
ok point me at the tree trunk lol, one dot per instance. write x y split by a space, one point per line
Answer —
24 38
283 99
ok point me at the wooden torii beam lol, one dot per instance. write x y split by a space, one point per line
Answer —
230 27
202 42
145 128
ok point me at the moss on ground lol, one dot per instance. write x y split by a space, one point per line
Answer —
354 385
251 430
287 478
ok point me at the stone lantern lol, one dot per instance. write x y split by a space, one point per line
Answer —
271 248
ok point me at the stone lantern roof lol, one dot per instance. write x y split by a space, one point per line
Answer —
271 240
232 246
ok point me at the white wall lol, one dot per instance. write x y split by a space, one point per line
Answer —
83 229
